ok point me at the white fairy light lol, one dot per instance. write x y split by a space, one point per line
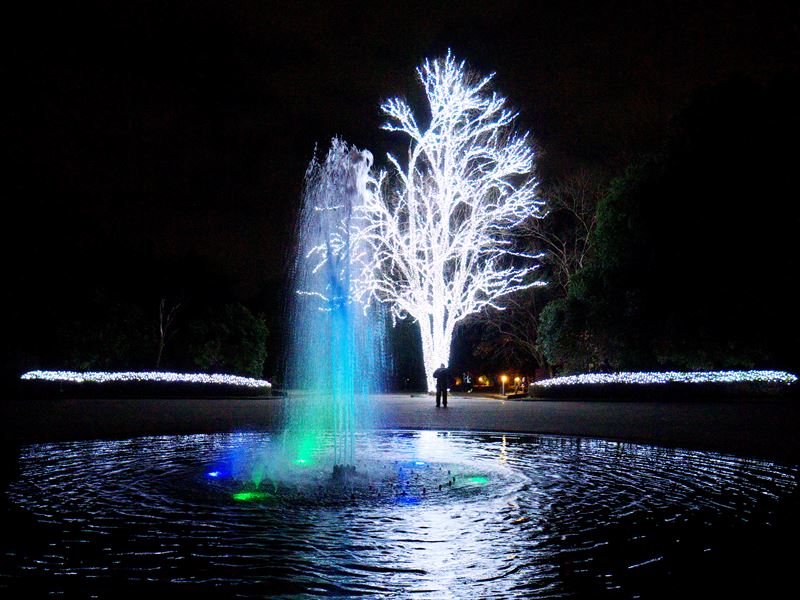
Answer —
439 247
639 378
144 376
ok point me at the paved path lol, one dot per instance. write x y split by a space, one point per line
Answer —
769 429
762 428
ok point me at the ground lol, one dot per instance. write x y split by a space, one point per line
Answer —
760 428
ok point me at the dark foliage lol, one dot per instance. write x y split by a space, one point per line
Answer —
102 312
113 336
405 348
229 339
694 259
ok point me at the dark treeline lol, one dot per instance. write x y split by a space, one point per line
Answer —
687 259
124 309
694 258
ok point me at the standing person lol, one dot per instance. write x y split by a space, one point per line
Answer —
442 376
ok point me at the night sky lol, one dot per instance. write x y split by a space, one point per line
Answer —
179 129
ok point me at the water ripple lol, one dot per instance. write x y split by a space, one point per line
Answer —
432 513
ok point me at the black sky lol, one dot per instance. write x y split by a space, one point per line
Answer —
185 127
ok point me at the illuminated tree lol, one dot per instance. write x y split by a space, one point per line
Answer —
440 244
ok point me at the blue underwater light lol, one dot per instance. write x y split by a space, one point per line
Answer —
406 500
412 464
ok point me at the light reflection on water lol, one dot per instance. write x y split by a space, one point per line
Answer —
515 516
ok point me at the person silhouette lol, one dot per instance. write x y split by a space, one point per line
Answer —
442 376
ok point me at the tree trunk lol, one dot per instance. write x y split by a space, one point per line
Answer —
160 352
435 349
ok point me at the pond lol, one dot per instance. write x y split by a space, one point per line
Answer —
430 513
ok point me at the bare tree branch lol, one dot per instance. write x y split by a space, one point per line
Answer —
167 311
566 234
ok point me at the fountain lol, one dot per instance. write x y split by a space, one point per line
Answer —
335 350
488 515
330 506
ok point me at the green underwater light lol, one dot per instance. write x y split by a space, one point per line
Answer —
248 496
478 479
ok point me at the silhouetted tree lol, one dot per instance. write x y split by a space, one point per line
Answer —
512 335
165 326
114 336
229 339
693 260
565 234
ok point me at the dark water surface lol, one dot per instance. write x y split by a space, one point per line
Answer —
430 514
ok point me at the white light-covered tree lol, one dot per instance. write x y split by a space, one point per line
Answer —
440 243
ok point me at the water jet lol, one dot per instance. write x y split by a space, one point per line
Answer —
335 350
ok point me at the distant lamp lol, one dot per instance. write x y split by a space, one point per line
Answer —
503 379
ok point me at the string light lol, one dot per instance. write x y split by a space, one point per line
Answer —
144 376
650 378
